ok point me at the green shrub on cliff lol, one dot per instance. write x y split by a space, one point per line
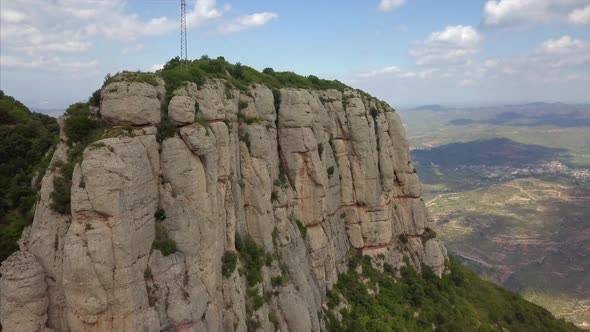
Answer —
82 128
163 242
80 124
166 129
229 262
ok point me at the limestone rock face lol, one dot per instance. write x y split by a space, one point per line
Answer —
132 103
309 177
23 300
181 110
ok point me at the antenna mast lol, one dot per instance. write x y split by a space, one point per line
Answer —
183 47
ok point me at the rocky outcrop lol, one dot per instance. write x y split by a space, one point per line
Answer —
132 103
309 176
23 300
181 110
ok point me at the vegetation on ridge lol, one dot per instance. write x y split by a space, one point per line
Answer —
177 71
459 301
26 139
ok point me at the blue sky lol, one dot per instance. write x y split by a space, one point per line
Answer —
407 52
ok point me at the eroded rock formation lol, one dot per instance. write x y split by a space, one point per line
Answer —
310 176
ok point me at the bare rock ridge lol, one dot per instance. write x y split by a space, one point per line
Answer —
309 176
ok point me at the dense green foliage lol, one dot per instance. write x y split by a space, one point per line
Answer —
25 140
460 301
94 99
176 72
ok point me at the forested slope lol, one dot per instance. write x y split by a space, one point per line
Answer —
26 139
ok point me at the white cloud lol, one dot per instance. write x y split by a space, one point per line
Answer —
453 45
156 67
203 11
565 53
515 12
396 72
31 29
387 5
381 72
133 49
554 60
580 15
53 63
36 27
555 67
458 35
249 21
563 45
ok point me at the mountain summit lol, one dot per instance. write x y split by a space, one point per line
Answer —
212 197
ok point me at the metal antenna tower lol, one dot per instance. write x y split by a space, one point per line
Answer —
183 48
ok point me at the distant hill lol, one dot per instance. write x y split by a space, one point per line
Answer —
53 112
432 108
491 152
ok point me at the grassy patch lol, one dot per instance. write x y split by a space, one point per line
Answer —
132 76
253 259
163 242
166 129
301 227
229 262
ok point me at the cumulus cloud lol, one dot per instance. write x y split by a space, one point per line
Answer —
36 26
554 61
204 11
387 5
455 44
30 29
249 21
563 45
515 12
563 53
580 15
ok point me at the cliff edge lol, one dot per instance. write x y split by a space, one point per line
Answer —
214 206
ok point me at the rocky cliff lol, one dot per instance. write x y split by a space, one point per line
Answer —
240 219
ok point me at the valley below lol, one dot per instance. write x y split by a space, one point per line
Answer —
514 210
